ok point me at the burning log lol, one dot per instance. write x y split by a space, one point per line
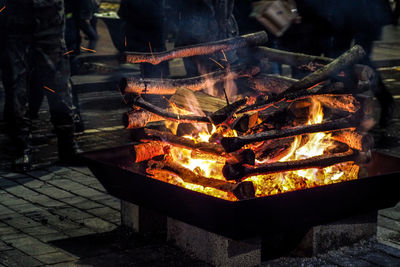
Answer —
185 143
270 83
247 40
288 58
235 173
231 144
300 87
217 117
135 99
138 118
362 142
242 190
169 86
145 151
197 101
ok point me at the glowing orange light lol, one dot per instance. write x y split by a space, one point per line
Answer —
68 52
216 62
1 10
47 88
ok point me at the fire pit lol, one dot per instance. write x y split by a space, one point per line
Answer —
250 217
262 154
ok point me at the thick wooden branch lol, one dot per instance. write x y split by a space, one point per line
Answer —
231 144
252 39
169 138
242 190
133 99
145 151
238 174
170 86
302 86
138 118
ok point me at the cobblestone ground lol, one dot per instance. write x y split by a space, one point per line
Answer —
62 216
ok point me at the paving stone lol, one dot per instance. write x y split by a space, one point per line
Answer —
15 258
18 221
389 223
38 173
25 208
391 213
83 231
73 213
51 237
99 225
388 250
32 246
54 192
4 246
88 192
6 230
39 230
56 257
34 184
21 191
67 184
12 236
5 183
381 259
4 211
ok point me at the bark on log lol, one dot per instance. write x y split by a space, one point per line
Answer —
252 39
231 144
359 141
238 174
169 86
300 87
146 151
136 100
242 190
169 138
138 118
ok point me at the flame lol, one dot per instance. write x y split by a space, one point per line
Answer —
315 146
303 146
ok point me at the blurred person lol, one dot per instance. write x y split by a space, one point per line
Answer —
86 13
36 47
203 21
143 30
362 22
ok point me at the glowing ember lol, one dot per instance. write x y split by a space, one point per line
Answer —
303 147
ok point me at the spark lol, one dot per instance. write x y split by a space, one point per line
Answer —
315 85
4 7
225 59
69 52
125 41
151 51
87 49
216 62
47 88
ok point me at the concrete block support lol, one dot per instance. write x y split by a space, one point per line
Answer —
322 238
141 220
212 248
388 232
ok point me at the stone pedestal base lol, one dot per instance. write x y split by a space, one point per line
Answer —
142 220
212 248
322 238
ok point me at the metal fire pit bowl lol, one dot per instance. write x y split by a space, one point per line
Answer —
252 217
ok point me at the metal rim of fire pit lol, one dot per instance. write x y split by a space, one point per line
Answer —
253 217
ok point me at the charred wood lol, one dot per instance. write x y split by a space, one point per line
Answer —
139 118
242 190
231 144
247 40
145 151
239 173
170 86
169 138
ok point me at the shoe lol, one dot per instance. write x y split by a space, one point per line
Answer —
79 127
22 163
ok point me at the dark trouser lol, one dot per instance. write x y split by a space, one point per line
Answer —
45 61
88 30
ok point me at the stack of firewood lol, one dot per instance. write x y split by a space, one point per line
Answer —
269 112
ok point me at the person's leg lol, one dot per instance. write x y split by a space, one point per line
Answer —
88 30
16 102
57 79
